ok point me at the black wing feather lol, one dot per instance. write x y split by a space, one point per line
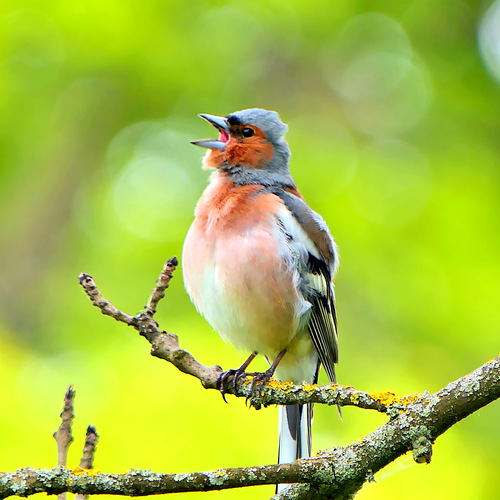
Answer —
323 320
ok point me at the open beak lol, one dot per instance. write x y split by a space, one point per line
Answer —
220 123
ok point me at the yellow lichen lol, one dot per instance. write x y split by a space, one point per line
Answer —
79 471
283 386
309 387
410 398
388 398
385 397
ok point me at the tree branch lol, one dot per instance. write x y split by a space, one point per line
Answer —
166 346
338 473
415 429
415 422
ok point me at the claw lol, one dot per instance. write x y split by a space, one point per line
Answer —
221 382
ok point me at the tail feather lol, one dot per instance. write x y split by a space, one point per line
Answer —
295 438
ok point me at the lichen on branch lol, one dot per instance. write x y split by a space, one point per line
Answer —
337 473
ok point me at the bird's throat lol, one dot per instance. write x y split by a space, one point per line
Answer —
254 155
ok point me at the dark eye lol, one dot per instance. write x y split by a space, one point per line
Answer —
247 132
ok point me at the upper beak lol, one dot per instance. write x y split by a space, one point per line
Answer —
220 123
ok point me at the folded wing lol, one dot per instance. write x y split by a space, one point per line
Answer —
315 257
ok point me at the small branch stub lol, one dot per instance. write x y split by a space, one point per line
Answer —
91 439
63 435
422 450
87 461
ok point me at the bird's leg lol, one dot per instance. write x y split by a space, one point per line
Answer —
236 374
261 378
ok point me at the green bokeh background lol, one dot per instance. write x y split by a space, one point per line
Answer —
393 111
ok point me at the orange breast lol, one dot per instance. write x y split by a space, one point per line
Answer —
227 207
235 270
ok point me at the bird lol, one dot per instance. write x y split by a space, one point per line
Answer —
258 263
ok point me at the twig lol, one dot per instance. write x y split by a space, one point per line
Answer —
63 435
87 461
338 473
161 285
164 345
104 305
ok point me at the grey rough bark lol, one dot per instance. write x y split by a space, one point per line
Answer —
338 473
415 422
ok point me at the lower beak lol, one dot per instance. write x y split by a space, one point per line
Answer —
210 144
220 123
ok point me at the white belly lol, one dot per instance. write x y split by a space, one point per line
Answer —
244 288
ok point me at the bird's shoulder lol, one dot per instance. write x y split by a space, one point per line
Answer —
306 226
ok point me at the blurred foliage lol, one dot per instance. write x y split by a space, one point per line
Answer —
393 114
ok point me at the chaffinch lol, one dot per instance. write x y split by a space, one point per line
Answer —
258 263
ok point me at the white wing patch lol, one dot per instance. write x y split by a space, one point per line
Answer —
294 230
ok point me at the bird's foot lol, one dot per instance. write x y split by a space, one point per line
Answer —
235 374
259 379
223 379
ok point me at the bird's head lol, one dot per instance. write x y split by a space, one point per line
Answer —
249 140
